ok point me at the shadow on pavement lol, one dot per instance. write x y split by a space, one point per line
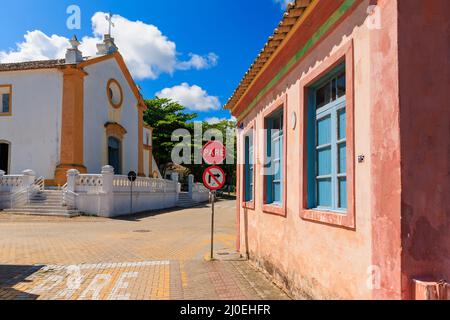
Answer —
11 275
148 214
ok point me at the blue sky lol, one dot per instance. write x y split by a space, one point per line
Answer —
196 51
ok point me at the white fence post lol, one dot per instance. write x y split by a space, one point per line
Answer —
28 178
175 178
28 181
108 190
72 175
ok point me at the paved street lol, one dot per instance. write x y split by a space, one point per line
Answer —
149 256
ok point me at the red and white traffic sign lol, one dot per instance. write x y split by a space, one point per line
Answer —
214 178
214 152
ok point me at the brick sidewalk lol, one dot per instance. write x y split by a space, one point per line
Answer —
149 256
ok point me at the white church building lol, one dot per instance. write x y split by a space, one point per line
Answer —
74 113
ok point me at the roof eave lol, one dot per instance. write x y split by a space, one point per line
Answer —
291 20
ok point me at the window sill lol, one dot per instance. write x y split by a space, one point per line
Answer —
5 114
334 218
249 205
274 209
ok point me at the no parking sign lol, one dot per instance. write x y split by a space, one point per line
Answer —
214 178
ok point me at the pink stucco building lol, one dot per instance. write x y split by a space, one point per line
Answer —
344 175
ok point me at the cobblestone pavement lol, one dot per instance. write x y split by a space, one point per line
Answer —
149 256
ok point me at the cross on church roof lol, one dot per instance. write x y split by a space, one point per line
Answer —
111 24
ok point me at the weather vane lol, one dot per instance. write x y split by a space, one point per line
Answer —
111 24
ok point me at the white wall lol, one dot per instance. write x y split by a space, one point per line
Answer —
35 125
142 201
97 112
107 195
5 200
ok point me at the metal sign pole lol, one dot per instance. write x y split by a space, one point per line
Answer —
213 194
213 179
132 178
131 198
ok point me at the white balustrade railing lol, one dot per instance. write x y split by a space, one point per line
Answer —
142 184
69 198
40 184
104 194
11 183
20 198
89 183
92 183
199 188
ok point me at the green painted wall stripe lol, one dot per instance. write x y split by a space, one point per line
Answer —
338 14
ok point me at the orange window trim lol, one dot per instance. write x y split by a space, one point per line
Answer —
348 221
111 102
249 204
116 130
280 103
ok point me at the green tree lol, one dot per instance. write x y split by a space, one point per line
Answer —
165 116
230 169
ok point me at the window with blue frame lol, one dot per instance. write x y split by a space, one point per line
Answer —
274 159
327 143
249 167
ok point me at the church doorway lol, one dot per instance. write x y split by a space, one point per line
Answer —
4 156
114 154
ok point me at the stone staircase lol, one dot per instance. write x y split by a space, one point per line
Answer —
45 203
185 201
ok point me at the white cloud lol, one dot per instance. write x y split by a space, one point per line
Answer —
283 3
146 50
191 97
37 46
199 62
215 120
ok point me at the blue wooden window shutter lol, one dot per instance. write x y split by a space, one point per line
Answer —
327 144
275 153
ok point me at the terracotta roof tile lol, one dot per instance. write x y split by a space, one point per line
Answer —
293 13
30 65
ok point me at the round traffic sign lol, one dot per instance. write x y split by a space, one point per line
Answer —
214 152
214 178
132 176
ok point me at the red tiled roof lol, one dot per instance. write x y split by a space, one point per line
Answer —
293 13
31 65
